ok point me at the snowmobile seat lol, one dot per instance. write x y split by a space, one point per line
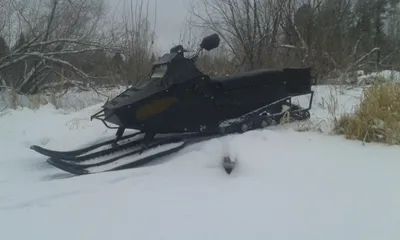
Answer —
249 79
298 81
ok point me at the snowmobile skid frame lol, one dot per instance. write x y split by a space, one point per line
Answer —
140 148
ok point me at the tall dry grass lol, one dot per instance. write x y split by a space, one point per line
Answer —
377 118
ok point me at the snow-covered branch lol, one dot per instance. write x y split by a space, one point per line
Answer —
56 60
72 41
13 61
66 52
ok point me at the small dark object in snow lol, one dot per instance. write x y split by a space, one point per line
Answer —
228 164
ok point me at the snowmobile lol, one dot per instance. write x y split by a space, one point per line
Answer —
179 105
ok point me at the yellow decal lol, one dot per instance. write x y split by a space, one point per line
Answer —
154 108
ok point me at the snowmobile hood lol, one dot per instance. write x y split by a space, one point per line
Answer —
170 70
133 95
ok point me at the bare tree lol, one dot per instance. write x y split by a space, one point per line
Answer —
248 27
137 40
42 36
328 35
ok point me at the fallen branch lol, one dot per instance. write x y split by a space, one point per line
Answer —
363 58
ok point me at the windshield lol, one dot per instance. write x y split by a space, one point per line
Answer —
159 71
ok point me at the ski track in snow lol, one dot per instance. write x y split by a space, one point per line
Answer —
286 185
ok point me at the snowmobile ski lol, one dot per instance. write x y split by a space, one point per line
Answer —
78 152
130 159
112 149
131 155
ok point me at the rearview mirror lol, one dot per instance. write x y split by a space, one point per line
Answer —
210 42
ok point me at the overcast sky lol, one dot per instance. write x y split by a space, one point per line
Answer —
171 17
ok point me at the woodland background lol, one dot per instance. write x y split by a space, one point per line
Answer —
57 44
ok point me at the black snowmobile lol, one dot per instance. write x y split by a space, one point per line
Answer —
179 105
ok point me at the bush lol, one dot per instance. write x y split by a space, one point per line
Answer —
377 118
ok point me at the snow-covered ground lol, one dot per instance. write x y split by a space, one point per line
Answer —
288 185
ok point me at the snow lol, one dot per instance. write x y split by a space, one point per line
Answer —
70 101
393 76
287 184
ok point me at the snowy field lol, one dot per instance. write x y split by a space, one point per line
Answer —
288 184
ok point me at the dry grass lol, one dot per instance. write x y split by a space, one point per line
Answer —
377 118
